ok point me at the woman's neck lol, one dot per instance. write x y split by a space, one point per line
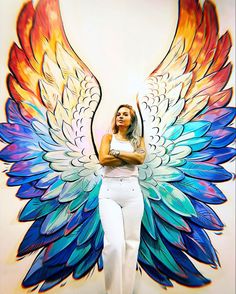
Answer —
122 134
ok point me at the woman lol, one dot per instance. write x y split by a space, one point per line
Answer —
121 200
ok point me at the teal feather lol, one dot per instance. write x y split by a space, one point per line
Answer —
56 220
99 238
145 253
159 250
173 132
54 190
176 200
78 254
199 128
35 209
70 191
88 228
76 203
170 216
167 174
196 144
62 243
86 264
171 234
148 220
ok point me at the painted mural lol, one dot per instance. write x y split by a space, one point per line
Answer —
51 151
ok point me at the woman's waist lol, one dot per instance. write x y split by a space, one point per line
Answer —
120 171
120 179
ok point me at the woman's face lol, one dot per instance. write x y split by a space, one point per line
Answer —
123 117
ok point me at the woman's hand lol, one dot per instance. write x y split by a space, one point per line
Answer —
136 157
114 152
105 155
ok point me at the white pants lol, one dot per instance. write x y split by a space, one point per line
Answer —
121 209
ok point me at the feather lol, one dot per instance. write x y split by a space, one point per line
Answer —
87 264
222 137
56 219
148 219
219 117
176 200
20 150
78 254
35 209
206 217
201 190
199 246
33 240
28 191
170 233
172 218
13 114
206 171
12 132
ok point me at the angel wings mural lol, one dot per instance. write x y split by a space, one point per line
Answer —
186 123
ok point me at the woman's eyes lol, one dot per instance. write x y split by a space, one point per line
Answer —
125 114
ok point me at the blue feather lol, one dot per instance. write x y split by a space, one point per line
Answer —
88 228
199 245
98 242
201 190
222 137
78 218
59 274
92 201
219 117
61 244
148 219
215 155
78 254
56 219
147 263
49 285
206 217
87 264
222 155
196 144
20 150
15 132
17 181
199 128
194 277
13 114
172 218
206 171
36 208
28 191
100 263
173 132
29 167
34 240
62 256
46 182
38 272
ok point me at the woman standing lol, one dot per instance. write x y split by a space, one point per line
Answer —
121 200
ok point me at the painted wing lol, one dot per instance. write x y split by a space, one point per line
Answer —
53 99
187 130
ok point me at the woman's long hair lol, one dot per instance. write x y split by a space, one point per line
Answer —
133 133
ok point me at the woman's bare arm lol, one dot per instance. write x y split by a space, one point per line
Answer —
136 157
104 157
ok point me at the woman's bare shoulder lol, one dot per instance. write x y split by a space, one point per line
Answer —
107 137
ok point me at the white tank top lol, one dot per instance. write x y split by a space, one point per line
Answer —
127 170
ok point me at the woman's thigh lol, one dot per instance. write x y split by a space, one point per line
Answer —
112 221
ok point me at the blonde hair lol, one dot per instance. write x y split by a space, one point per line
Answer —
133 132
